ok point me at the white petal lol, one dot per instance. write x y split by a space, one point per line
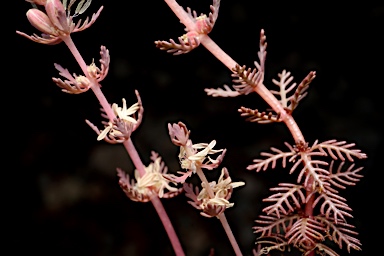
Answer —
104 133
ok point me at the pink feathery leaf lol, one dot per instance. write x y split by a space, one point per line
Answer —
305 231
192 194
81 26
263 164
339 149
185 45
259 117
140 112
341 233
213 14
272 224
301 90
287 194
104 61
74 85
219 92
262 54
335 204
284 81
245 79
341 178
312 170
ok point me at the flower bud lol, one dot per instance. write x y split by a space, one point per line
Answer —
93 71
38 2
201 25
40 21
56 13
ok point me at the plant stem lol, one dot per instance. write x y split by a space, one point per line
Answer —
229 233
260 89
168 226
222 56
155 200
130 148
221 216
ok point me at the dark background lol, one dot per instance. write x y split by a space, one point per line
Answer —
71 202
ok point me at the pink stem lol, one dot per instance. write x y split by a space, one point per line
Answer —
221 216
168 226
222 56
229 233
130 148
260 89
155 200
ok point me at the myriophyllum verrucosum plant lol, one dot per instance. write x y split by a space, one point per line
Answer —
307 214
54 19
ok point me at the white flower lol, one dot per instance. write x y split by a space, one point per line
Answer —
222 193
126 123
191 158
106 130
152 180
124 113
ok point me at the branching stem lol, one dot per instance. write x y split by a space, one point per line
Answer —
128 145
222 56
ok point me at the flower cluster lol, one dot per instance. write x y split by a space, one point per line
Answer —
193 156
120 128
213 206
154 181
76 84
214 197
202 25
56 22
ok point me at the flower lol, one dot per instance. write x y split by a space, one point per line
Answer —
123 124
124 113
222 191
57 22
154 181
179 133
191 158
222 188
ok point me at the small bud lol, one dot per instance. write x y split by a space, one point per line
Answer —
93 70
83 82
38 2
56 13
201 25
40 21
189 38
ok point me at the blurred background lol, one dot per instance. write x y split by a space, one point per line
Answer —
72 203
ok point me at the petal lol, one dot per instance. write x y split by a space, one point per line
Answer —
104 133
124 105
129 119
55 10
132 109
237 184
40 21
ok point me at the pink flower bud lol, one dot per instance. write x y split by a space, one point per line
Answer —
38 2
56 13
201 25
40 20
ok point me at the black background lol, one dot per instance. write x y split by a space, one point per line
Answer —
71 202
